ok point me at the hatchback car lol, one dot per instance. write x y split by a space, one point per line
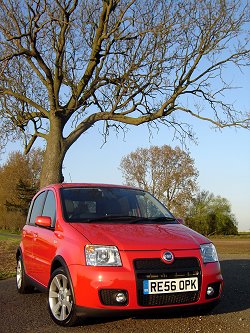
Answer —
101 249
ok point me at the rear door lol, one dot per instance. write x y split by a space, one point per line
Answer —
45 242
30 231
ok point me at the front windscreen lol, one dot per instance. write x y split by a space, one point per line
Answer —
112 204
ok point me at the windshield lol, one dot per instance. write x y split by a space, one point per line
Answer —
105 204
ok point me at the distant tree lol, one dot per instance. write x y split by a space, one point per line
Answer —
19 179
24 193
209 215
168 173
66 65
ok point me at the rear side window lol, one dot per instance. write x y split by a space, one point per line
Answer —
37 208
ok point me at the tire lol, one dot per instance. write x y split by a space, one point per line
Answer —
22 284
61 303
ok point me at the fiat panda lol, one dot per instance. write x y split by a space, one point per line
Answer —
104 249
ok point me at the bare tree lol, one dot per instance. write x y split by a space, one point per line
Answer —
67 64
168 173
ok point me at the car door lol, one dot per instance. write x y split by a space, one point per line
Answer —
29 232
45 242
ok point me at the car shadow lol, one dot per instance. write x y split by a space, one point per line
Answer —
236 291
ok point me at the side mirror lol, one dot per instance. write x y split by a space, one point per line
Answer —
43 221
180 220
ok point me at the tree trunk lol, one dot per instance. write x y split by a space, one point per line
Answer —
54 155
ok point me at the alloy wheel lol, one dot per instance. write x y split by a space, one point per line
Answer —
19 274
60 297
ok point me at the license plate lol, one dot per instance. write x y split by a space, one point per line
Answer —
170 286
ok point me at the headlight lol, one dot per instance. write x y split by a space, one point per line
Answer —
208 253
101 255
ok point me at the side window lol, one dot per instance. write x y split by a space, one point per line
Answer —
50 207
37 208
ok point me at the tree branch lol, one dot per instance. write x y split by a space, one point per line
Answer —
94 57
245 123
23 98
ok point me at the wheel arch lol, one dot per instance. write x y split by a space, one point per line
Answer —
59 262
18 252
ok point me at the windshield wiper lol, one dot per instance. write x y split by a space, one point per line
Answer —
163 219
151 220
106 218
131 219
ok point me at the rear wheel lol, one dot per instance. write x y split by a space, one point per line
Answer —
22 284
61 300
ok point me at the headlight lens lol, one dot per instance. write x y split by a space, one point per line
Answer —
208 253
101 255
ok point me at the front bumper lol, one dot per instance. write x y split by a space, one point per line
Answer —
89 282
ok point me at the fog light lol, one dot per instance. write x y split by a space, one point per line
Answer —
121 298
210 291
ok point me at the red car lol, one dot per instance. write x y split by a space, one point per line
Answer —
101 249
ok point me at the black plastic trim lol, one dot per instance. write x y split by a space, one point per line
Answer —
124 312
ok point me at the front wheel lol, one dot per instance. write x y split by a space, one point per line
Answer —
61 300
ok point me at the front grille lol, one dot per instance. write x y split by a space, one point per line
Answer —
153 269
158 264
167 299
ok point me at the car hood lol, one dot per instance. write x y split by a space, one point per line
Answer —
141 236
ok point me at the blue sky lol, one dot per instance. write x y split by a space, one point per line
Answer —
222 159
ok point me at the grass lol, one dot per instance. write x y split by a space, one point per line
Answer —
232 246
8 247
9 232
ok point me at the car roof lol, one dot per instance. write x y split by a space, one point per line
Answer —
68 185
